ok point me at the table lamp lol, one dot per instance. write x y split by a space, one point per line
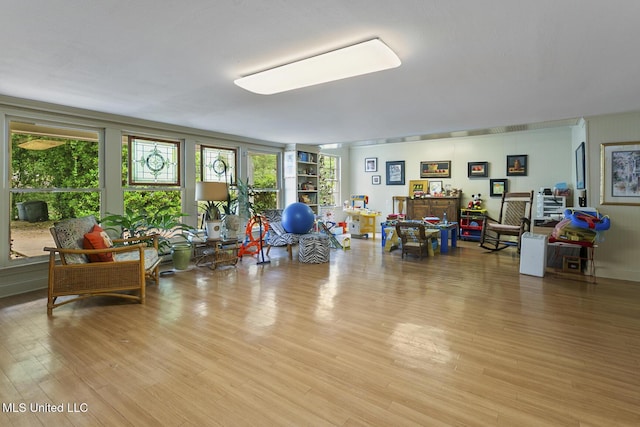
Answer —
212 192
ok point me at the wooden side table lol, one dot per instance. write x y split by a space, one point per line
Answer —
218 252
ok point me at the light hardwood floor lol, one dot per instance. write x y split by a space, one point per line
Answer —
368 339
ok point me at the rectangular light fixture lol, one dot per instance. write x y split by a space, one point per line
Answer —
355 60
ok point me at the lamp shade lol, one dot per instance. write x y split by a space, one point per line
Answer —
211 191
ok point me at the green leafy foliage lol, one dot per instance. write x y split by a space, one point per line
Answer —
66 168
327 179
138 223
265 169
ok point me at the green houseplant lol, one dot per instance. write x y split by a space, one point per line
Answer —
212 219
164 223
244 199
239 208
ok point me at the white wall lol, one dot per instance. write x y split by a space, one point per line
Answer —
618 255
550 161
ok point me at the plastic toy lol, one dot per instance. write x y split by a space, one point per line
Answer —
588 220
476 202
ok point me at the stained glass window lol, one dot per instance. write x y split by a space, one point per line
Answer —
153 162
218 164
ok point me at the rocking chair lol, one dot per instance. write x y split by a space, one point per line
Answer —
514 220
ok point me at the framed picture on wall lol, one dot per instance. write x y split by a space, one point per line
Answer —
620 168
376 180
517 165
395 173
580 166
371 164
478 169
439 169
498 186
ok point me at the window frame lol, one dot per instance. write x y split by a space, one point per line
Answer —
131 181
229 179
278 173
337 179
46 128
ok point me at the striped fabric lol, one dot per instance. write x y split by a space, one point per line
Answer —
313 248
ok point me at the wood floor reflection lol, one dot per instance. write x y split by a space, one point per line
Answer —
368 339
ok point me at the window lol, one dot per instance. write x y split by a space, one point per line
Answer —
263 177
329 179
217 164
54 174
151 174
153 161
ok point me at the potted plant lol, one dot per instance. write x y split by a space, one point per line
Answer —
212 220
244 199
163 223
239 209
230 220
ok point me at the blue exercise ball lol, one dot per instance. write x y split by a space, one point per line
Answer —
297 218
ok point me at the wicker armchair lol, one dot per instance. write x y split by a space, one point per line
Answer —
133 261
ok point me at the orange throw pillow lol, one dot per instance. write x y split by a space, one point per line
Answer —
98 239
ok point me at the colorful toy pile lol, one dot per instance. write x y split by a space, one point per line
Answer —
581 226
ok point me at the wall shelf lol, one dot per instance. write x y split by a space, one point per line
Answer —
302 182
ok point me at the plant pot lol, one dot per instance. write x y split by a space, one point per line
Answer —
232 226
214 229
181 255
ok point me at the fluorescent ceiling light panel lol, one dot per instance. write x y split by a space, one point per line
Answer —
362 58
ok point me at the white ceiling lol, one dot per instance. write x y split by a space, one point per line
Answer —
466 64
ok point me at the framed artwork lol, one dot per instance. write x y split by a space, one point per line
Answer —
620 173
580 183
371 164
435 187
376 179
498 186
478 169
418 187
440 169
517 165
395 173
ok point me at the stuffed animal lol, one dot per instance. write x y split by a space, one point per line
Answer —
476 202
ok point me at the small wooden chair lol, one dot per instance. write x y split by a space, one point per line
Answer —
415 239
